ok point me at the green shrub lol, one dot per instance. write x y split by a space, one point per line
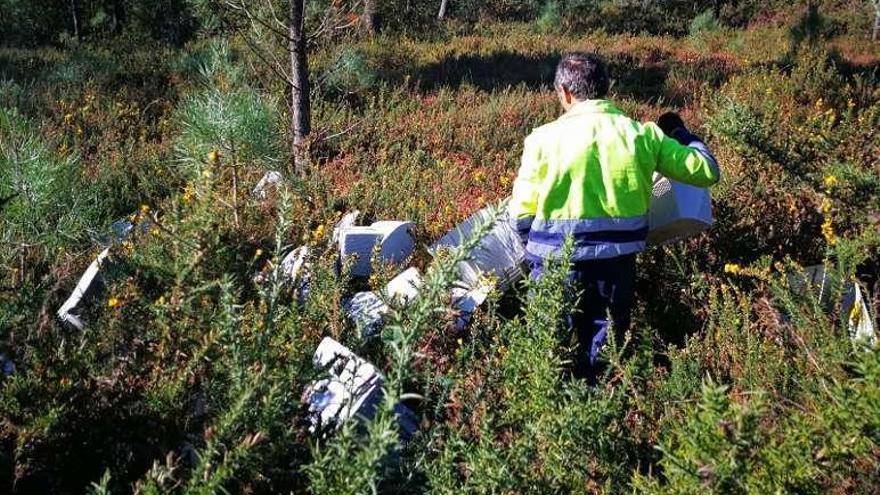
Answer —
703 23
550 18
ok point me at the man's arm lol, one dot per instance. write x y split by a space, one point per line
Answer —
681 155
524 199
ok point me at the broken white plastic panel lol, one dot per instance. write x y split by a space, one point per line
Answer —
270 178
858 319
86 285
296 269
353 389
348 220
467 301
499 254
853 307
678 211
293 263
405 287
813 277
393 238
367 309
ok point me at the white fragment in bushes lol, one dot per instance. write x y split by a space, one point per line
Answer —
467 301
270 178
84 288
348 220
296 269
858 319
853 308
352 389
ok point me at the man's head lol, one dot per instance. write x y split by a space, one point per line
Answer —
580 76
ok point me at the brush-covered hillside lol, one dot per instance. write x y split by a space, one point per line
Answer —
136 132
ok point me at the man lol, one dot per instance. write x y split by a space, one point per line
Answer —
589 175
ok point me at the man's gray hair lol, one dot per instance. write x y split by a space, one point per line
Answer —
582 74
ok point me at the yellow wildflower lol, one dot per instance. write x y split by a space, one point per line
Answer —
319 232
113 302
828 232
830 181
145 209
732 268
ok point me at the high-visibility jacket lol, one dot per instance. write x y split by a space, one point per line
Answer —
589 174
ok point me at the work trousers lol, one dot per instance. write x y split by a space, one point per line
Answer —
605 287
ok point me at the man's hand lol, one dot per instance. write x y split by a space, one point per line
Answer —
669 122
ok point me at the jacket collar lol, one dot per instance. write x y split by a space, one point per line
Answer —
591 106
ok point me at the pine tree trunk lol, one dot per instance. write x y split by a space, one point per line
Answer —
370 18
876 32
300 112
75 18
442 13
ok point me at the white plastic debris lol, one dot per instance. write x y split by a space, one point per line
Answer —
294 262
677 211
467 301
367 309
499 254
348 220
858 319
83 288
296 269
393 238
270 178
405 287
354 388
853 308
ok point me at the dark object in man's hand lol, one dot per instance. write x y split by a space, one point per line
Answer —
669 122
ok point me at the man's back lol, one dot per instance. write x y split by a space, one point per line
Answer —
590 173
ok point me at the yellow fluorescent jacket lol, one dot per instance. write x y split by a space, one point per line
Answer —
589 174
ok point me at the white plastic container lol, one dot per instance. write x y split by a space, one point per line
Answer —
393 237
678 211
499 254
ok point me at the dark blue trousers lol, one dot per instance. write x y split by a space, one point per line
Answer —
605 287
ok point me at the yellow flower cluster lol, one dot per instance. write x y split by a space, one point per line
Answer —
828 232
113 303
735 269
830 182
828 224
213 156
319 233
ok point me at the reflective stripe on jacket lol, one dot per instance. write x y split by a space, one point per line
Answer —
590 174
